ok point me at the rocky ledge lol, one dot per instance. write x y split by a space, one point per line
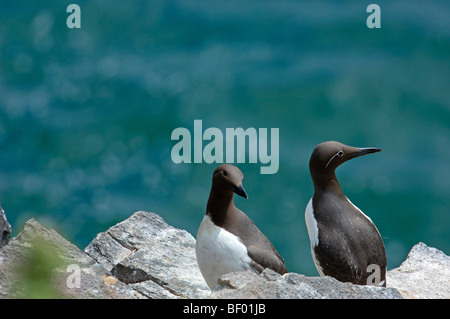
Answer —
144 257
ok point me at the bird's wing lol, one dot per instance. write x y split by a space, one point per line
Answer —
265 257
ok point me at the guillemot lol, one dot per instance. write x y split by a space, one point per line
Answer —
227 239
345 244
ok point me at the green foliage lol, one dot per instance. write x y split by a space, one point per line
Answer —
37 271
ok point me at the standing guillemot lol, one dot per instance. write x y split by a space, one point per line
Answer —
344 241
227 239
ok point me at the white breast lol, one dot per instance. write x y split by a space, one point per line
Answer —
311 225
219 252
313 232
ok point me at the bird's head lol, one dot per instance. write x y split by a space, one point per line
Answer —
227 177
327 156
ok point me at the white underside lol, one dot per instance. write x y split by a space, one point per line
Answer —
219 252
311 225
313 230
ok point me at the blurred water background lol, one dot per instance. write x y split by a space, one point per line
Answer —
86 114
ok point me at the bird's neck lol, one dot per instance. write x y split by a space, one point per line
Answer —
326 182
219 204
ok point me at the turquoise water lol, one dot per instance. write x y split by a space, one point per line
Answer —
86 115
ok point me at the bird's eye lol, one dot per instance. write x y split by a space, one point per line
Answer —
340 153
225 173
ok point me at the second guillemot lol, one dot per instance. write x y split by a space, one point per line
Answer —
227 239
345 244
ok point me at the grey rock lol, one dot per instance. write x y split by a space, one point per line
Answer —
144 250
95 281
144 257
424 274
5 229
271 285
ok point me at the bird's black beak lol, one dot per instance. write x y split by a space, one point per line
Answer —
368 150
240 191
362 151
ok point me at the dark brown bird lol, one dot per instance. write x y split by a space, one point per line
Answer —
345 244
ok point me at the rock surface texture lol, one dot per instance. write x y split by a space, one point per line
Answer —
270 284
5 229
424 274
95 281
154 258
144 257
